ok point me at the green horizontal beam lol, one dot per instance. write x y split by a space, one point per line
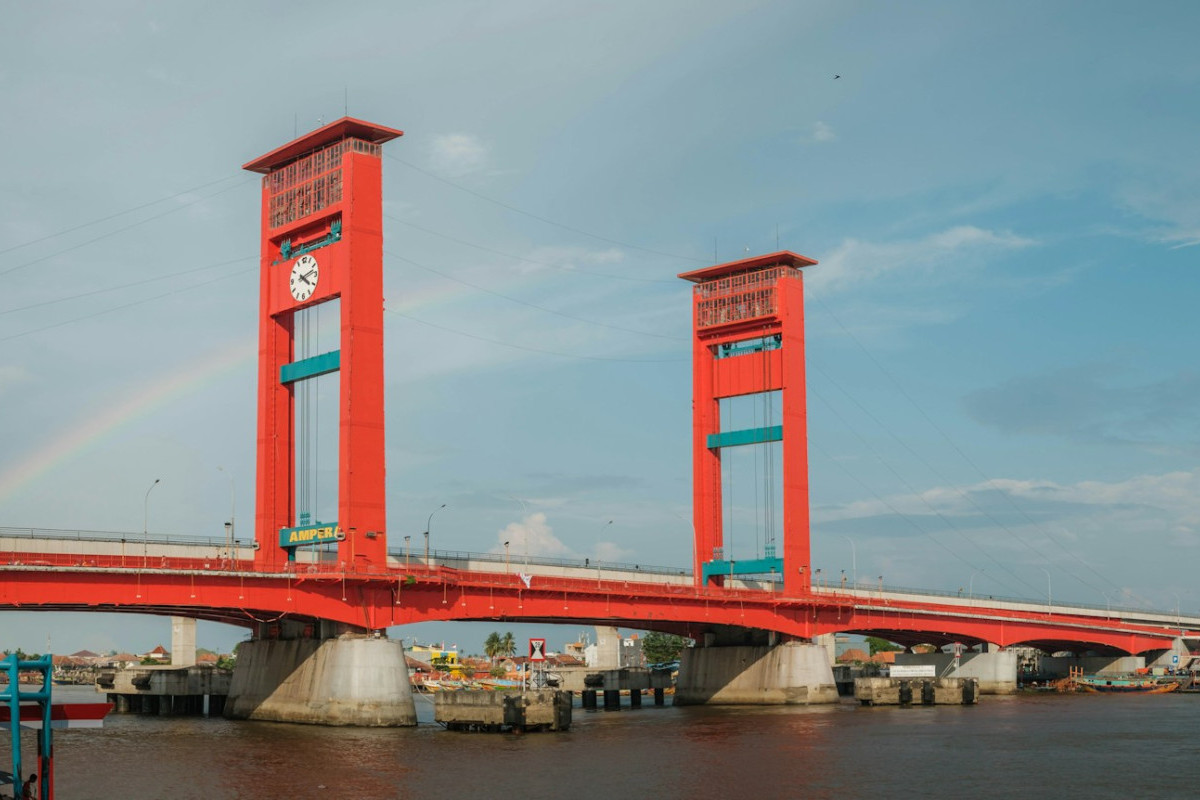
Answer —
311 367
749 566
773 433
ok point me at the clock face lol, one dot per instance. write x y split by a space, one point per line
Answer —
304 277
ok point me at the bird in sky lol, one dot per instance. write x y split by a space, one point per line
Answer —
835 77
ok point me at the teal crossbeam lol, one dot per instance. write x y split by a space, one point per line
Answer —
750 566
311 367
773 433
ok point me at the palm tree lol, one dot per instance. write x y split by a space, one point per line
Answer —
491 646
508 645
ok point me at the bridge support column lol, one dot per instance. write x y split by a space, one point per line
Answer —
792 673
354 679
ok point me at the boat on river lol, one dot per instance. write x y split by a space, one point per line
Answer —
1137 684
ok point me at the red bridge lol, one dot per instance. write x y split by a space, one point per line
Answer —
321 614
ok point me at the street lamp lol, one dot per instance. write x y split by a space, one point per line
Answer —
524 533
506 558
428 523
971 584
1049 595
853 560
230 529
146 522
406 550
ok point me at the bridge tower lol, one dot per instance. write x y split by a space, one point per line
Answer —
322 257
748 339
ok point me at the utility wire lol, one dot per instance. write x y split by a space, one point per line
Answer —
526 259
532 349
516 210
95 292
113 216
883 462
122 229
124 306
987 479
532 305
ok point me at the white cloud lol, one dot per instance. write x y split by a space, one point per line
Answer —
610 551
1144 505
531 536
821 133
457 154
937 255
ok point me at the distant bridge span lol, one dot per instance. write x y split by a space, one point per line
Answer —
206 579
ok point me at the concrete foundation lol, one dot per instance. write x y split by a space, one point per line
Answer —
995 672
470 710
916 691
792 673
350 680
165 690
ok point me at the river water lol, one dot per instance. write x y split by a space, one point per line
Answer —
1030 746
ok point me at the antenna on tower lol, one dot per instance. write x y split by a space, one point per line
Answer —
346 100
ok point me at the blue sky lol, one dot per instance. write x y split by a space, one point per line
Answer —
1000 332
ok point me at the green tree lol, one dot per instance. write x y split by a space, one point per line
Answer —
491 646
660 648
878 645
508 645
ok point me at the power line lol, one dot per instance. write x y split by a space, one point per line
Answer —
1007 497
114 216
95 292
917 494
532 305
123 306
526 259
123 229
516 210
533 349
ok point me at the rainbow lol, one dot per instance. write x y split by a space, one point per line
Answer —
98 427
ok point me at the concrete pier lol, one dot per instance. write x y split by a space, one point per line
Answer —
791 673
165 690
916 691
494 711
354 679
996 672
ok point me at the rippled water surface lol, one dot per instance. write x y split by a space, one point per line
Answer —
1045 746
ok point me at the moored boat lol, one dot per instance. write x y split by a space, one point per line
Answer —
1125 685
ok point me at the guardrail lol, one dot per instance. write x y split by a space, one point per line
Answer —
416 557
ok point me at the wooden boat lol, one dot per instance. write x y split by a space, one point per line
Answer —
1125 685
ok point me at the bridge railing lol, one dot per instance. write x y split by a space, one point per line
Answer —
417 555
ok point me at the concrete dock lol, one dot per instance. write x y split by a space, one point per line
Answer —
495 711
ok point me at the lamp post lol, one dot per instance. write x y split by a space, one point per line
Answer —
146 522
1107 606
1049 595
971 584
506 558
231 528
428 523
407 539
853 560
524 533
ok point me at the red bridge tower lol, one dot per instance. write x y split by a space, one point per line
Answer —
322 241
748 338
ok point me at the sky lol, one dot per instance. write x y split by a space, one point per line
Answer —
1002 198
